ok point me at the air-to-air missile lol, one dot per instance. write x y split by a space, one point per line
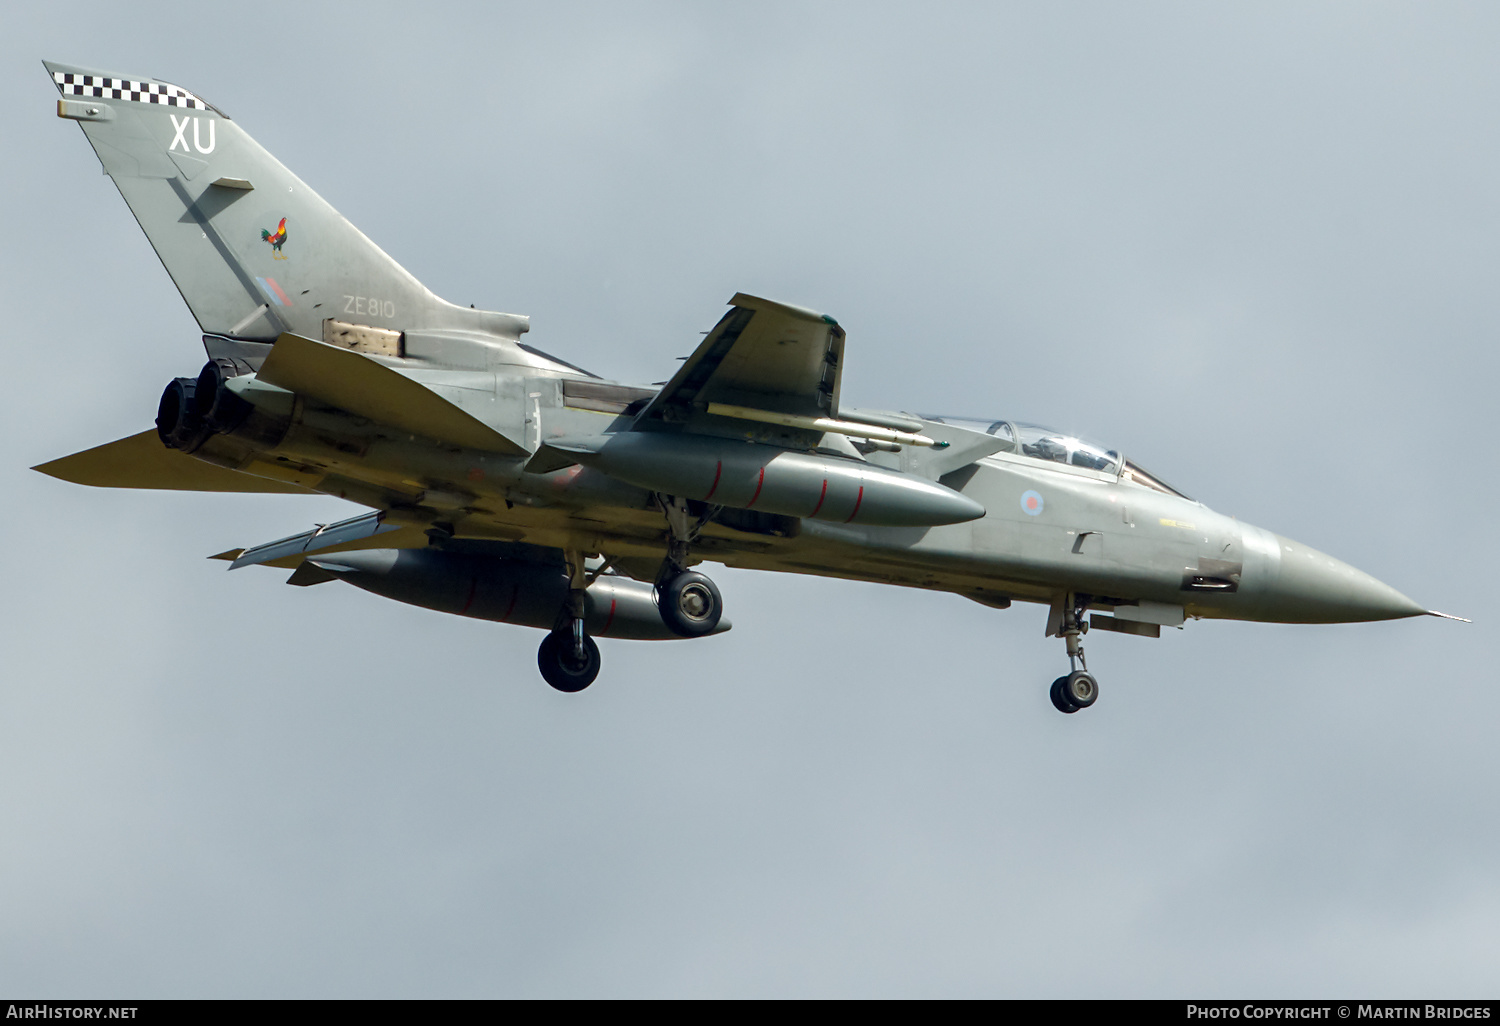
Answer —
509 485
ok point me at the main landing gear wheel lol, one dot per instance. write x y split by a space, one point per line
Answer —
559 661
690 604
1059 700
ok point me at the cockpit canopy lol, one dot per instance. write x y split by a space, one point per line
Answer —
1060 447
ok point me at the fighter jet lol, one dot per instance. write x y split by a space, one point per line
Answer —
509 485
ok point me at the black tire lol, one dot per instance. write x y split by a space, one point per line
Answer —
1080 689
690 605
1059 700
559 666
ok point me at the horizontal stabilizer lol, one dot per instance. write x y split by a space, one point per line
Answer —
361 386
141 461
322 537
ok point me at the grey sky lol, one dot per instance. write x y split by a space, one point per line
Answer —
1255 247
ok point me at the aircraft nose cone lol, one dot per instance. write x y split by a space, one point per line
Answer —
1312 587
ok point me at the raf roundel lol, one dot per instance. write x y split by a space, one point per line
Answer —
1031 503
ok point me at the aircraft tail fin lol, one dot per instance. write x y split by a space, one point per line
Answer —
252 249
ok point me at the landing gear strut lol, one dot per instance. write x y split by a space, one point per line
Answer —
569 658
1079 689
690 603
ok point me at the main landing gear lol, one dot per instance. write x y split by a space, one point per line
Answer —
1079 689
689 602
569 658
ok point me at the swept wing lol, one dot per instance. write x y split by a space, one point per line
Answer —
141 461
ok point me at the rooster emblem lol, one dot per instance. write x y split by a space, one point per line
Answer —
277 239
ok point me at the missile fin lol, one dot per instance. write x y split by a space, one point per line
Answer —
559 453
308 574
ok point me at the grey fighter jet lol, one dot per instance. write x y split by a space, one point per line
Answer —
509 485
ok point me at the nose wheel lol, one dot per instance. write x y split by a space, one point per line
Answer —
1078 689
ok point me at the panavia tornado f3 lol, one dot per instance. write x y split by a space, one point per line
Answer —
509 485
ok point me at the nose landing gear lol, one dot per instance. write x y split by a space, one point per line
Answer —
1079 689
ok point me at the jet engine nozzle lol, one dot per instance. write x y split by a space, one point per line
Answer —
178 423
193 409
214 403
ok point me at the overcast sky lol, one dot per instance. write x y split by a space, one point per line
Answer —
1253 246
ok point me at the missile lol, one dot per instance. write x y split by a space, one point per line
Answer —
502 590
747 475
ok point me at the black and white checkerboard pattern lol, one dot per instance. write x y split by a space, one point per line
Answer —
124 89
